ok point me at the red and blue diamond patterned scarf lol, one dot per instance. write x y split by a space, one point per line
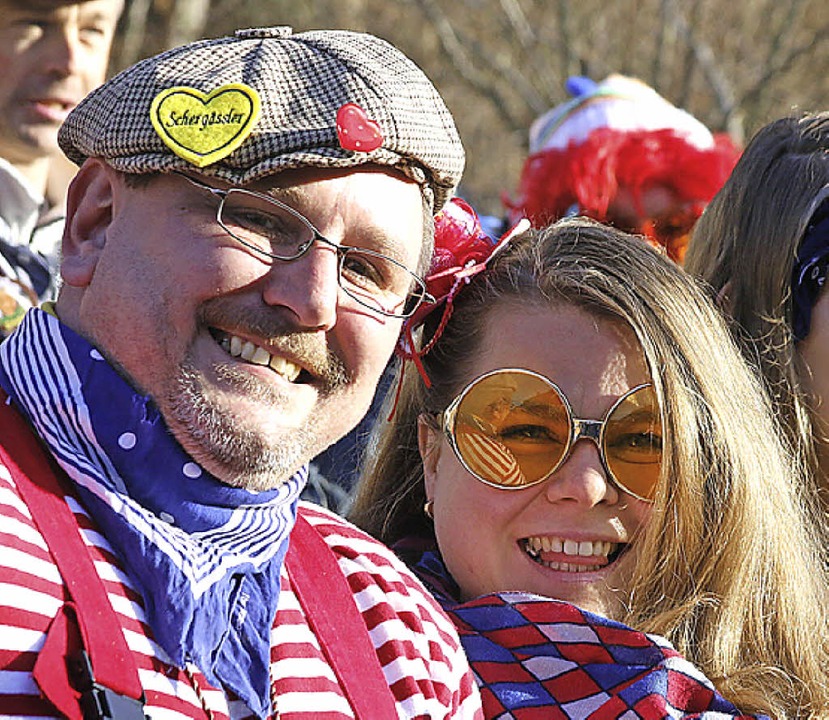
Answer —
535 658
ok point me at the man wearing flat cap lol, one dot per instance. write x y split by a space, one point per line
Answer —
245 235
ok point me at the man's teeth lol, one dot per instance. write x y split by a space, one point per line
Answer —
536 544
256 355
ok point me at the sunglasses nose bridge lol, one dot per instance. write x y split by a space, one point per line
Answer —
592 430
587 429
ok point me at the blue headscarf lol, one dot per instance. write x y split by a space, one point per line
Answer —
809 271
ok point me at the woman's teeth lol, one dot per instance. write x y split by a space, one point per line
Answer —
256 355
600 549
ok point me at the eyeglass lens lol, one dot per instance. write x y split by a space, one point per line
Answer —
366 275
513 429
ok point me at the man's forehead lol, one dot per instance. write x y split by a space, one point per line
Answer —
298 183
396 230
299 176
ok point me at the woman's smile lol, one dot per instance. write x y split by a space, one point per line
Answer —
567 535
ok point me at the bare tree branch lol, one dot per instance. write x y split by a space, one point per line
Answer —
134 32
755 92
784 30
518 21
707 62
565 42
504 75
659 44
688 64
529 41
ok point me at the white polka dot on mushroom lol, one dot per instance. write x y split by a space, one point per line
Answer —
95 355
191 470
127 441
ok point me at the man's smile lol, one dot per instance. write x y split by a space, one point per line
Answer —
248 351
257 355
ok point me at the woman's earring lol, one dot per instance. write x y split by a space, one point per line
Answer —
429 509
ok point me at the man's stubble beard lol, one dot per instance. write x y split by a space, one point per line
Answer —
242 456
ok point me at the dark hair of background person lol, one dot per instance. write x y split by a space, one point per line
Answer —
744 247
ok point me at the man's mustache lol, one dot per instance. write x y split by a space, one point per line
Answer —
308 349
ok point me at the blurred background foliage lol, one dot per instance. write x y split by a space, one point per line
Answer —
734 64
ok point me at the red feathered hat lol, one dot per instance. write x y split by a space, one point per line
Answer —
621 134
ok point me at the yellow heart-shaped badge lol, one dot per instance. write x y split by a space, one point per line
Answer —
205 127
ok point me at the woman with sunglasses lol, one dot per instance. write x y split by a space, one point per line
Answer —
763 247
589 455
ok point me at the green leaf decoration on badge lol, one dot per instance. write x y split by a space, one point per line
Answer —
205 127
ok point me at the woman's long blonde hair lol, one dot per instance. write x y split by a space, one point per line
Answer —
744 247
730 570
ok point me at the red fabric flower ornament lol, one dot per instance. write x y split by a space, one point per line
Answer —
462 250
460 244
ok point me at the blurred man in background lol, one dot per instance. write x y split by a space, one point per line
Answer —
52 54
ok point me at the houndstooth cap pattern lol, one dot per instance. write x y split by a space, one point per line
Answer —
303 80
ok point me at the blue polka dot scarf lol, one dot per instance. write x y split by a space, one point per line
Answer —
205 556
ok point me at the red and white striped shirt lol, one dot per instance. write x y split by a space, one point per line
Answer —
416 644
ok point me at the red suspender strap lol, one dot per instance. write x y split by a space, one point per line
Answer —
114 690
328 601
106 677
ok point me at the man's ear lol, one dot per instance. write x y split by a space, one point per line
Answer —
88 217
428 442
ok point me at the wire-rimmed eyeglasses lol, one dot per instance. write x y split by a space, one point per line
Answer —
274 230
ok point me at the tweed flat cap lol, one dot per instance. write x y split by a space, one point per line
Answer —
266 100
